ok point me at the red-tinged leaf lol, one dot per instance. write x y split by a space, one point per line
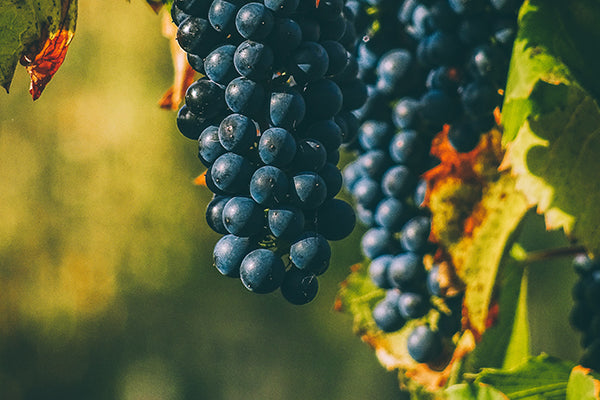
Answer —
184 73
43 65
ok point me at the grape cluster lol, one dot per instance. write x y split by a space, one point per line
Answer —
270 113
585 314
426 63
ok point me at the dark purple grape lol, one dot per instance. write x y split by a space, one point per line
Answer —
209 146
286 108
387 316
245 96
311 252
406 271
214 214
231 173
376 242
229 252
205 98
254 60
336 219
243 217
299 286
415 235
269 185
277 147
254 21
237 133
308 190
412 305
262 271
424 345
286 222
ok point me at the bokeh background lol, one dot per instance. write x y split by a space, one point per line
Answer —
106 285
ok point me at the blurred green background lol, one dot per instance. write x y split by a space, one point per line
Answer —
106 285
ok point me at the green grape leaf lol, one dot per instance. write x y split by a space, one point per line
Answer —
551 115
471 391
541 377
506 343
36 33
582 385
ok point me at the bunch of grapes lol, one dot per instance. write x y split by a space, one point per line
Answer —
585 314
270 114
427 63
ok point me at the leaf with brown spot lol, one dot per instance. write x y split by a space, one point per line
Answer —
36 33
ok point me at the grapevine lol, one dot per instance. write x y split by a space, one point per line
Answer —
425 133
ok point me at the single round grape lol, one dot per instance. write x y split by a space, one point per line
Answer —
311 252
337 55
243 217
286 222
374 163
334 28
214 214
336 219
262 271
351 174
376 242
310 155
407 148
438 107
397 182
299 286
244 96
231 173
277 147
323 99
254 60
332 177
327 132
366 192
209 146
391 213
218 65
189 124
374 134
196 36
412 305
463 137
415 234
354 92
479 98
285 37
424 345
269 185
406 271
221 15
205 98
405 113
237 133
310 62
254 21
308 190
229 252
286 108
387 316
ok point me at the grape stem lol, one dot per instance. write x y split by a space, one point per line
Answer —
528 257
